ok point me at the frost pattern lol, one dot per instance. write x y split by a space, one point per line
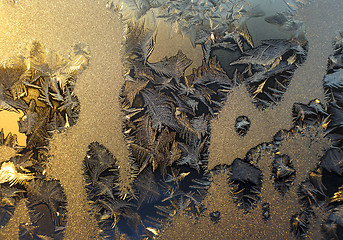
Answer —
41 85
168 151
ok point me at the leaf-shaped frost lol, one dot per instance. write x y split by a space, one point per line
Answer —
266 54
211 74
190 19
187 129
206 50
9 198
144 133
130 90
160 109
98 160
245 184
191 153
283 172
103 191
10 174
146 187
332 161
27 122
243 31
48 193
70 104
55 90
67 75
29 231
310 114
185 104
203 95
337 41
57 123
160 154
101 173
79 59
39 135
309 194
174 66
200 125
36 53
300 224
336 117
161 151
267 73
139 43
336 98
44 92
140 159
131 9
277 19
10 74
105 185
165 83
110 212
7 103
335 219
18 90
208 85
334 80
286 24
335 62
242 125
79 49
175 153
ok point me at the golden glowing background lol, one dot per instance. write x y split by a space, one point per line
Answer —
8 121
60 24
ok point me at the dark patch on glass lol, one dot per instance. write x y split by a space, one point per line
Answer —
300 224
242 125
283 173
245 182
215 216
268 69
265 211
155 198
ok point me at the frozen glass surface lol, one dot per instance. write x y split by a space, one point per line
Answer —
161 119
